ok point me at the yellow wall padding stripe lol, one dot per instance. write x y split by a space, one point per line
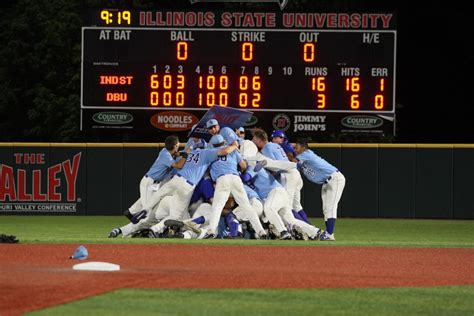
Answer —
104 145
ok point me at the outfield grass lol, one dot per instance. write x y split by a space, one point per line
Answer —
456 300
349 232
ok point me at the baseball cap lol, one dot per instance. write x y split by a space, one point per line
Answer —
216 139
241 129
278 133
211 123
81 253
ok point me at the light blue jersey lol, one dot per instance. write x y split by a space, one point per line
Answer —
274 151
200 144
315 168
263 183
197 163
226 165
251 193
229 135
161 168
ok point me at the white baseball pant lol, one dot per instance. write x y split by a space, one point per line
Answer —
182 193
155 216
278 213
293 183
253 216
331 193
226 185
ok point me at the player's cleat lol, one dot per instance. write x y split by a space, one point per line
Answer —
317 236
273 232
115 233
284 235
209 236
148 233
299 233
174 223
192 226
327 237
259 165
177 235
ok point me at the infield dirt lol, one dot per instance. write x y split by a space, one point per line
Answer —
35 276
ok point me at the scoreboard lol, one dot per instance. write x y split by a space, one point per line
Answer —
135 67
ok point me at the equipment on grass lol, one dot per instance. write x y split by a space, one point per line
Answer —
8 239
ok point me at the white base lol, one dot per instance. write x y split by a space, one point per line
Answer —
96 266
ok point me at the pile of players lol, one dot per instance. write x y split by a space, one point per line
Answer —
233 188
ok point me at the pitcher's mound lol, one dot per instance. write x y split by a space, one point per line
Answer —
96 266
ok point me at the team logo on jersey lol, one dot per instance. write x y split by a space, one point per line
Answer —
362 121
281 122
281 3
173 121
112 118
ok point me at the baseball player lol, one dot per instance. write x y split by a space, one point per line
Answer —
290 179
182 185
159 172
227 133
240 132
160 211
279 137
318 170
224 171
195 142
254 158
276 205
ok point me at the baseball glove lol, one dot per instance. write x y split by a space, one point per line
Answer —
8 239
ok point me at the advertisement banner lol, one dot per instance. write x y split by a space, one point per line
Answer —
42 180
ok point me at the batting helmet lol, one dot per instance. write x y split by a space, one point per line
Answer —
278 133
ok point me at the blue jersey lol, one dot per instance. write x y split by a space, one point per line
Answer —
197 163
226 165
263 183
161 168
315 168
229 135
200 144
204 190
274 151
251 193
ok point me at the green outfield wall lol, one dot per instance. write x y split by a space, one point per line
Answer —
383 180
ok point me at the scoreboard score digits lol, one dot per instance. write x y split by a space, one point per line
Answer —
127 65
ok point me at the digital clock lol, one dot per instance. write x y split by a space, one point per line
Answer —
285 70
116 17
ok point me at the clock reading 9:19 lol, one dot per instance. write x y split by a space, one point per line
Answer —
116 17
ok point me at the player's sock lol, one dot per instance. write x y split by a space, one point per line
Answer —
199 220
303 215
296 215
330 225
233 224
